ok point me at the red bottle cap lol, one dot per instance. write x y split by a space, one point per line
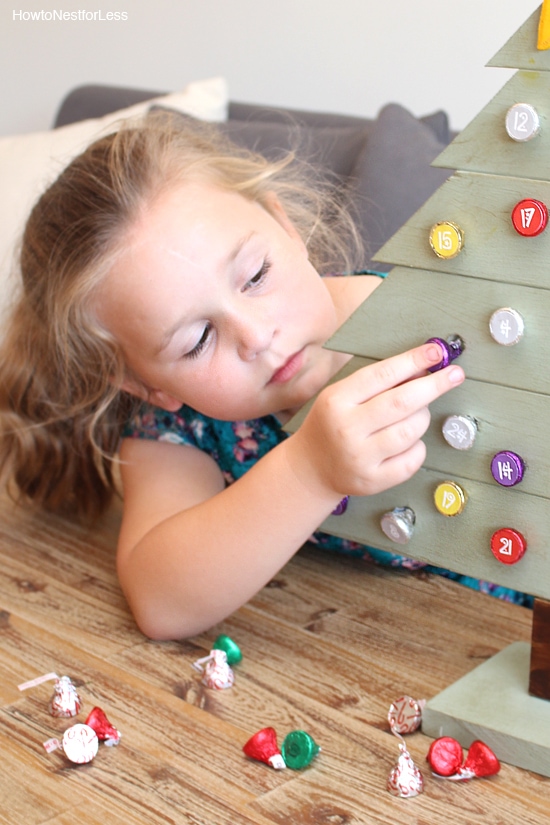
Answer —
530 217
507 545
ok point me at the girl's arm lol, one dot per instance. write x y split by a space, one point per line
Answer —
191 551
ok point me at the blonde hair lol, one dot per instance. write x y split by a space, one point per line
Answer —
61 412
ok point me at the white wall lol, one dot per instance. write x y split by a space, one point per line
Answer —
348 56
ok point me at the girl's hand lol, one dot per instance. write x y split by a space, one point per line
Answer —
362 434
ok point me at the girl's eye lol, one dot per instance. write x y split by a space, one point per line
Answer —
259 276
200 345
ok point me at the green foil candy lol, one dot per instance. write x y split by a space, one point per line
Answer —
298 749
232 650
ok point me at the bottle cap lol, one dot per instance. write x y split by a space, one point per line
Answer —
446 239
451 348
459 431
530 217
507 545
506 326
522 122
507 468
450 498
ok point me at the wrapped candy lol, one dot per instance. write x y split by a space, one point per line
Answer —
263 747
215 669
481 761
65 701
104 730
405 714
298 749
405 779
445 756
79 744
446 759
223 642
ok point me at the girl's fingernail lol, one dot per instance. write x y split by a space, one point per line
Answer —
456 375
434 353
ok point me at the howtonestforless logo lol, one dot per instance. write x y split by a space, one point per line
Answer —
60 15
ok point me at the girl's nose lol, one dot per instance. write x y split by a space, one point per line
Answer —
254 336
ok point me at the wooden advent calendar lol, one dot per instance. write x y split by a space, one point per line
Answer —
474 262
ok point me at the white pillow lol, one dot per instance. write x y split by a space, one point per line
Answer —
29 163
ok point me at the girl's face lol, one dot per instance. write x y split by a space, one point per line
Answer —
215 305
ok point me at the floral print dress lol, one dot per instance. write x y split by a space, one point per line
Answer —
237 445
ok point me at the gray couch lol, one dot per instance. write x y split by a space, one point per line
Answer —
382 164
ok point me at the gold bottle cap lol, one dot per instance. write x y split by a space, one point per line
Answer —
450 499
446 239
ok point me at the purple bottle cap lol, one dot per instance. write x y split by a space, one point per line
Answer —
341 507
507 468
450 349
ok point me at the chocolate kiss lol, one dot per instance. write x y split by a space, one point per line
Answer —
481 760
262 745
445 756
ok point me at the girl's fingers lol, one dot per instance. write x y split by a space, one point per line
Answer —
368 382
399 403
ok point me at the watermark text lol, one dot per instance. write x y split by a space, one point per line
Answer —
56 15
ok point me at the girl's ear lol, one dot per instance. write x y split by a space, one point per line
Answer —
276 209
157 398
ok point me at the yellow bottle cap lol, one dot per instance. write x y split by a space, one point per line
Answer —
450 499
446 239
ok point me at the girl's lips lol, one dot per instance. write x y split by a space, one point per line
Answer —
289 369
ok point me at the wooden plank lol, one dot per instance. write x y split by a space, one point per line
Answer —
484 145
520 51
493 704
481 205
497 411
461 543
327 646
30 792
461 306
26 591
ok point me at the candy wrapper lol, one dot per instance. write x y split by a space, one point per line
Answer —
233 652
215 669
79 743
263 747
404 716
405 779
99 723
446 759
299 749
65 701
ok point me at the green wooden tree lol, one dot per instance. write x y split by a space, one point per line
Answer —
474 262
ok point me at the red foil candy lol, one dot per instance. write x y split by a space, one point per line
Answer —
405 780
103 728
446 759
481 761
263 747
445 756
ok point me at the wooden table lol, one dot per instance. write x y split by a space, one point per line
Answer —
327 646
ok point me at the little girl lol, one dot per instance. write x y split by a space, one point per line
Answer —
171 295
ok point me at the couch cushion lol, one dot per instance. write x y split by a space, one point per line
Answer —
392 176
30 162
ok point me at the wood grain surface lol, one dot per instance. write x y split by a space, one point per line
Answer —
327 646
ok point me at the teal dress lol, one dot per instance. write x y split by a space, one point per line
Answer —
236 445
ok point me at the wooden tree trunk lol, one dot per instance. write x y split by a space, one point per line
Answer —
539 675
